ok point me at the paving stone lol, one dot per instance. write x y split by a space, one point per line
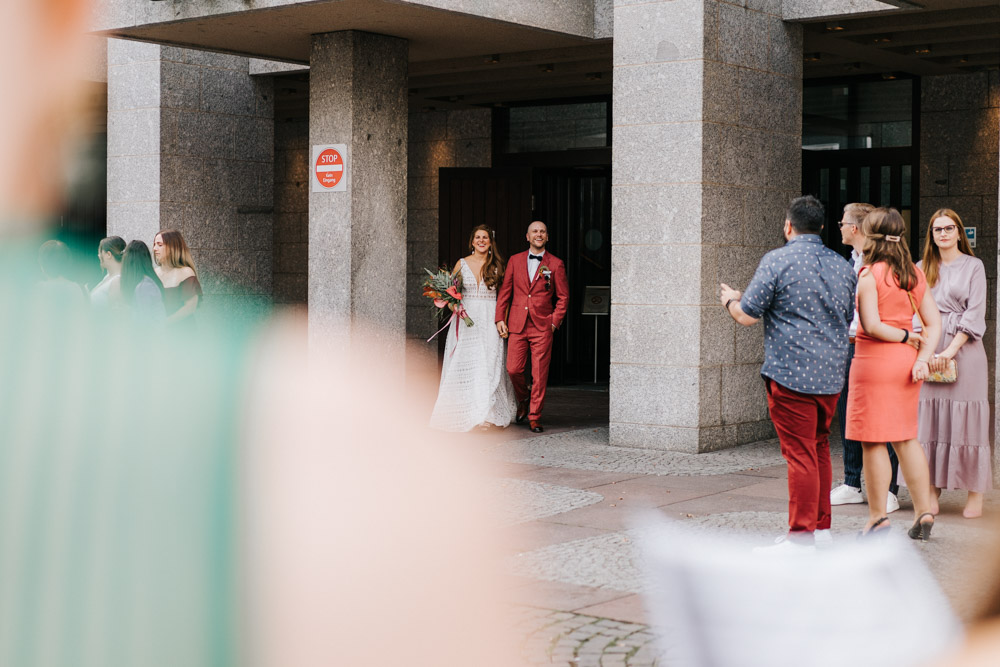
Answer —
520 501
589 450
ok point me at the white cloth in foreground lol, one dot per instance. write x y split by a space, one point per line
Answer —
714 603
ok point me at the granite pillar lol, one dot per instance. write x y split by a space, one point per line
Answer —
357 238
706 155
190 147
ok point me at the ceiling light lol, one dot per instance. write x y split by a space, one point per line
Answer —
594 76
888 76
882 39
494 59
834 27
547 67
922 50
811 57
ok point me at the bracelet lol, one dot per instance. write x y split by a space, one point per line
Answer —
727 304
906 335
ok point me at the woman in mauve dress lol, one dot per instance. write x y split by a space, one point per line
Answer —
955 418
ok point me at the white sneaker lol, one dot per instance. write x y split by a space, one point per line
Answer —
846 495
892 503
823 538
784 547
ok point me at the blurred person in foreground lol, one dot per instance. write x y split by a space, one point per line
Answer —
850 491
887 372
804 292
200 521
955 417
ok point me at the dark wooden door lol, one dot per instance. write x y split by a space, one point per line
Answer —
500 198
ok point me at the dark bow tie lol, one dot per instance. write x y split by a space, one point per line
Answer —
538 257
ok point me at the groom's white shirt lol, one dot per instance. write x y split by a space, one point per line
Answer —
533 263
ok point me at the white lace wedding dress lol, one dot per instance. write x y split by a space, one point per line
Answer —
475 388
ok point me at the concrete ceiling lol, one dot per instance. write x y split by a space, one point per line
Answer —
927 38
283 32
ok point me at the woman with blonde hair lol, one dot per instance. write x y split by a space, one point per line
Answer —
181 289
475 390
886 373
955 418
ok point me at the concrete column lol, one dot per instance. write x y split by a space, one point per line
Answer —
706 154
357 238
191 147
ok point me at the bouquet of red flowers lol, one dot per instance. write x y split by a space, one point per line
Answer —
444 288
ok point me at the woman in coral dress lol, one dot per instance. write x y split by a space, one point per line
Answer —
886 373
955 418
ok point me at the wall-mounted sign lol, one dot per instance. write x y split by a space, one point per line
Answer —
970 233
329 168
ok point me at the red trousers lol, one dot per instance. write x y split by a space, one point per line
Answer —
537 342
803 425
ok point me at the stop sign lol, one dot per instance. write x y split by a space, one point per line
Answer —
329 168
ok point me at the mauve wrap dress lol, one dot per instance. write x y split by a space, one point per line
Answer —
882 398
955 418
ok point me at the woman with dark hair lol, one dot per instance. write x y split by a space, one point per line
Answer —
175 267
109 254
886 373
141 288
955 418
475 389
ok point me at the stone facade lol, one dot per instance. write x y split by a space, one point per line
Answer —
190 147
357 249
706 155
959 160
436 139
291 211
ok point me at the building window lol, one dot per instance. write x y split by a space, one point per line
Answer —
543 128
862 114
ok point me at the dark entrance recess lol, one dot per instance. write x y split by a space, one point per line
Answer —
860 144
575 203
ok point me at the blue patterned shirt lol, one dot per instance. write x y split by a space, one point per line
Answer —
805 294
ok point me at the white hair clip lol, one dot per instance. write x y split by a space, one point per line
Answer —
894 239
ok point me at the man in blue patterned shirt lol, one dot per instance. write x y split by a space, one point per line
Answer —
804 292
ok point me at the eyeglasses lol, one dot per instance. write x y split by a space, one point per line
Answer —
842 223
947 229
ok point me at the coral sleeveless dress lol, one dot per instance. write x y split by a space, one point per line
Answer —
882 400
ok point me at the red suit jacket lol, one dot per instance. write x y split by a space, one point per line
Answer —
529 301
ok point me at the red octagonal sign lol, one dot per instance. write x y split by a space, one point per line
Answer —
329 168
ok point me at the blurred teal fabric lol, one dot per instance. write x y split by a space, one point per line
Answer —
118 484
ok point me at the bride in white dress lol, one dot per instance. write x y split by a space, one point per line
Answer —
475 389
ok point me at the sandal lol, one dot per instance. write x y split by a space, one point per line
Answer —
921 531
874 532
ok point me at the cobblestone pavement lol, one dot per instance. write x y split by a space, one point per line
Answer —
589 450
518 500
576 640
583 547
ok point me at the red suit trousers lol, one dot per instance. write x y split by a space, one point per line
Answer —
803 425
537 342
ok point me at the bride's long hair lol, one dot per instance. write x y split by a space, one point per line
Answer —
493 268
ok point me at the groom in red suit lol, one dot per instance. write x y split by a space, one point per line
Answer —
535 293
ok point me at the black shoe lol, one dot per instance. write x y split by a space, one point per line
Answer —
522 411
535 426
921 531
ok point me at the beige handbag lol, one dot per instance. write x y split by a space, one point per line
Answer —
950 372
